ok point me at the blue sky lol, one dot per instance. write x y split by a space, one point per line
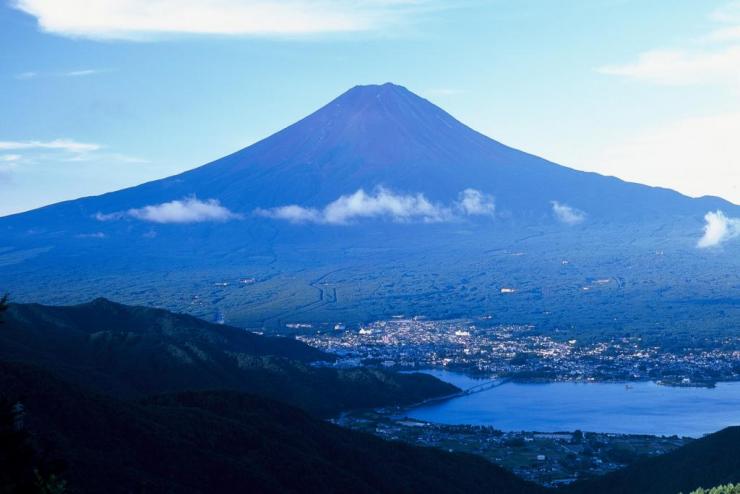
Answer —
95 98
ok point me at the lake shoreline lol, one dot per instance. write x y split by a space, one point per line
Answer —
540 380
634 408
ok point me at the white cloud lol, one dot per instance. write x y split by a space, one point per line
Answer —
727 13
729 16
82 72
146 19
292 213
682 67
26 75
714 59
188 210
68 73
36 151
718 229
473 202
59 144
34 157
567 214
383 203
694 154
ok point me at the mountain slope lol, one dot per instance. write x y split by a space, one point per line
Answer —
222 442
381 261
711 460
137 351
386 135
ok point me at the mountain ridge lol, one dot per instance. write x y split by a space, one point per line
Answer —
136 351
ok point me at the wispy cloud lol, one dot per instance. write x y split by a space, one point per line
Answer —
32 152
347 208
187 210
713 59
26 75
566 214
31 156
682 67
718 229
60 144
66 73
8 164
385 204
728 18
83 72
149 19
292 213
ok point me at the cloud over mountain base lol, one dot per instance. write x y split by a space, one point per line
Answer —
188 210
385 204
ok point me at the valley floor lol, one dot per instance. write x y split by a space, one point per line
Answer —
549 459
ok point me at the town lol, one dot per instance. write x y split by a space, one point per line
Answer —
476 347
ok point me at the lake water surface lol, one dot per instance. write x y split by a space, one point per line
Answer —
640 408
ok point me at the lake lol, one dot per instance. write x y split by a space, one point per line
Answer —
640 408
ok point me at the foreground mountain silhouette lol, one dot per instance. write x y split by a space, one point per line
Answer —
194 441
137 351
442 206
709 461
81 430
221 441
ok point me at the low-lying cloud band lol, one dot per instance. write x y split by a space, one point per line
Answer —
188 210
384 203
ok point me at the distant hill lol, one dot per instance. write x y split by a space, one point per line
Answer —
709 461
202 442
462 216
138 351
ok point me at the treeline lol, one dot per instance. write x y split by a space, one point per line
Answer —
722 489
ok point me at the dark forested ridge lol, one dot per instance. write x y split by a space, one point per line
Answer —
200 442
137 351
709 461
65 428
103 326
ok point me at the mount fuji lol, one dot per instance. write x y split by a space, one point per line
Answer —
382 203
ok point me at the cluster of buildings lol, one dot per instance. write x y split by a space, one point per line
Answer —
519 351
547 458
